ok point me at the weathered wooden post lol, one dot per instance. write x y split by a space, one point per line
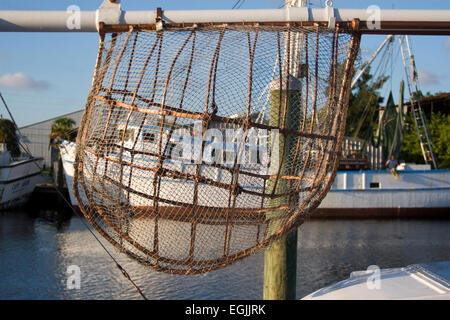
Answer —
280 258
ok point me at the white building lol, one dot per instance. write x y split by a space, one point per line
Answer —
36 136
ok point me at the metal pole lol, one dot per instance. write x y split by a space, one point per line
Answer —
391 21
425 129
416 107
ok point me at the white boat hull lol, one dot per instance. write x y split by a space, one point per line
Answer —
354 193
17 181
379 193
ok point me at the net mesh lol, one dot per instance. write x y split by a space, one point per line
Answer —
199 146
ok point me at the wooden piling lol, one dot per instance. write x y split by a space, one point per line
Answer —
280 257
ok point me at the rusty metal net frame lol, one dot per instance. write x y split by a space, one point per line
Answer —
280 92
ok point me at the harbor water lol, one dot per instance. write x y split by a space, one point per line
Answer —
38 255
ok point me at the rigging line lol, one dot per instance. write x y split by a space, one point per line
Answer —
15 124
238 4
392 66
25 148
377 84
374 83
124 272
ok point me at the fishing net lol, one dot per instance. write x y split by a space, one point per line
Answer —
200 145
390 133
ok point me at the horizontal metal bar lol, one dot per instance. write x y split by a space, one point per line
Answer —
47 21
391 21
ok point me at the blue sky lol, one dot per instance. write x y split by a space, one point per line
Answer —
43 75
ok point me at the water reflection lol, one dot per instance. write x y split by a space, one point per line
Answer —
35 253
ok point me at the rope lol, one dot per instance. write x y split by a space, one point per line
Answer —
25 148
377 84
238 4
124 272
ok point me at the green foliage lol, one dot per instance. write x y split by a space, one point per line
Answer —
8 135
362 122
440 137
363 104
410 151
63 128
438 127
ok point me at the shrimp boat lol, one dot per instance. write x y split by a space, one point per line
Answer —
253 160
18 178
18 175
418 190
368 193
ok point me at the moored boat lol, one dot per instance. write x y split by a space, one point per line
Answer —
18 178
417 191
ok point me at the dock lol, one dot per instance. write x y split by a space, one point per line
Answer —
50 201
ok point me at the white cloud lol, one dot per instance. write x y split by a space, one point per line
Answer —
447 44
428 78
22 82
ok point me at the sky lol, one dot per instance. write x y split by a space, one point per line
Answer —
44 75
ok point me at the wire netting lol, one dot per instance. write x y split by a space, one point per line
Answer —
200 146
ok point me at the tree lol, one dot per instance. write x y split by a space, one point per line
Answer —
363 103
8 135
440 139
62 129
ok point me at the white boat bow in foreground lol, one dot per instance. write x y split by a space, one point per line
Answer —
416 282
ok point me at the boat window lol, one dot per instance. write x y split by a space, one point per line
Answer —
170 149
375 185
129 134
148 136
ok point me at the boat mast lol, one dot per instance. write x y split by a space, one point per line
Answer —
369 62
419 120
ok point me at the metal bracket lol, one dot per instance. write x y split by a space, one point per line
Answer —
109 12
159 22
329 14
